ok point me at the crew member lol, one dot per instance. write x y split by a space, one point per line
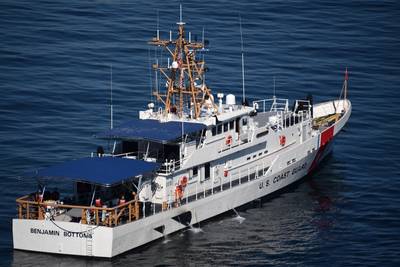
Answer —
122 200
98 202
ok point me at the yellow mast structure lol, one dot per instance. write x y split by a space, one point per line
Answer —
185 80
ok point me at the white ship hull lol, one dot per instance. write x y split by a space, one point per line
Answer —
102 241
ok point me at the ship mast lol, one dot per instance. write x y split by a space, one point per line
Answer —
186 91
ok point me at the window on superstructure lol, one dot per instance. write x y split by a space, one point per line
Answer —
226 127
207 171
231 125
214 131
195 171
265 170
244 121
219 128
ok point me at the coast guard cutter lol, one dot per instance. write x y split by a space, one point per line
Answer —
188 157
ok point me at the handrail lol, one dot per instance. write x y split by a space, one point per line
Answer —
170 166
135 154
112 215
55 204
277 104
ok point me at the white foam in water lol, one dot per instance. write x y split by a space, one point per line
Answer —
166 240
195 230
238 218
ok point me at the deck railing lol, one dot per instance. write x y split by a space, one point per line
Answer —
273 104
130 211
127 212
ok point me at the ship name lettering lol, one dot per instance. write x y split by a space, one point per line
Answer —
80 235
44 231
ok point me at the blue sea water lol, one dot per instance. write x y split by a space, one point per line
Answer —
55 59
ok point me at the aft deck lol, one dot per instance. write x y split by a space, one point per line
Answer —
30 209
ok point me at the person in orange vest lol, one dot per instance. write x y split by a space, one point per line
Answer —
98 202
178 195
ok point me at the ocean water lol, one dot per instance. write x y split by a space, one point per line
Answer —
55 61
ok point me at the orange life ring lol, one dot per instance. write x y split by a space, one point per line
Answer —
183 181
282 140
229 140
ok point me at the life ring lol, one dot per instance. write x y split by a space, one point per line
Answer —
229 140
282 140
183 181
226 173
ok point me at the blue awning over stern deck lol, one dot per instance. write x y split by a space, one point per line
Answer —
104 171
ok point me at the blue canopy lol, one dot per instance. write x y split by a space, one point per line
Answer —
104 171
152 130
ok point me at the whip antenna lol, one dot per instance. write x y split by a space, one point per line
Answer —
111 97
242 51
158 25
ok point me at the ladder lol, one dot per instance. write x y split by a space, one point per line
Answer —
89 240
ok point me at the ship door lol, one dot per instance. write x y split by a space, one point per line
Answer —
237 129
206 171
304 133
218 172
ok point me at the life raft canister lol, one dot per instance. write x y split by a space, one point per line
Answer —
282 140
228 140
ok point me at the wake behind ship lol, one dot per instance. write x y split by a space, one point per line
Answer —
190 156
